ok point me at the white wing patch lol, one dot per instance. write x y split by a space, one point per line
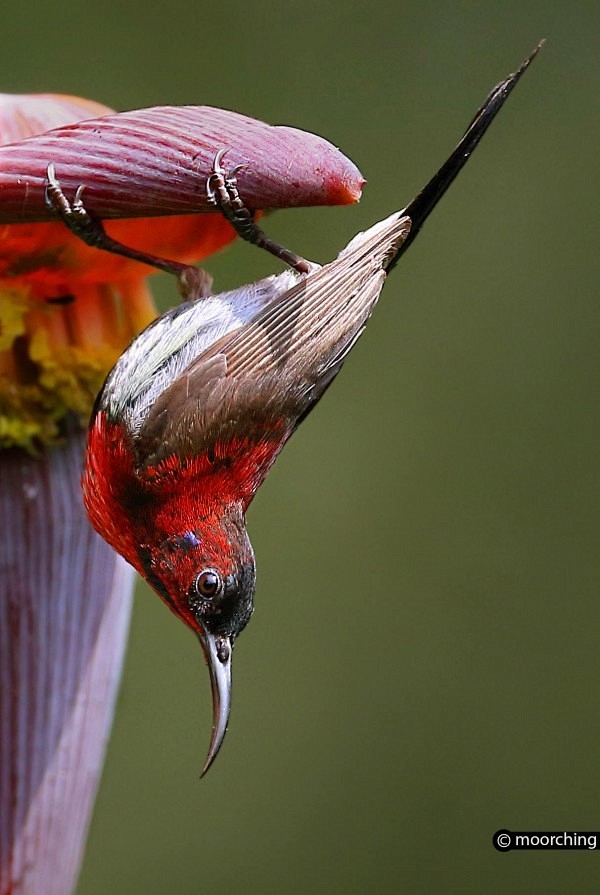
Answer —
161 353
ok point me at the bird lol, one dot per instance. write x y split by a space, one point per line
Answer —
198 407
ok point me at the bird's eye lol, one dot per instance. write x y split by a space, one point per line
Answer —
208 584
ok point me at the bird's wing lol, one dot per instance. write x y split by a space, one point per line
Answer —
255 384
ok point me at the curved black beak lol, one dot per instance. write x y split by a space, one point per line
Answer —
217 652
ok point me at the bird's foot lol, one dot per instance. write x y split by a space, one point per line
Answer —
74 214
90 230
222 192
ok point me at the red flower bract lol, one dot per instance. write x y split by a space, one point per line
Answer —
156 161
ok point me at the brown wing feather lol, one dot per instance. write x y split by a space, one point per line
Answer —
258 381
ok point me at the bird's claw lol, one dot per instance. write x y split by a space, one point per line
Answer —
222 192
192 282
73 214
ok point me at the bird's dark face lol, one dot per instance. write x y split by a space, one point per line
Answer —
207 578
221 599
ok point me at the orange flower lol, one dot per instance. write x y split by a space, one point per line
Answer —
66 310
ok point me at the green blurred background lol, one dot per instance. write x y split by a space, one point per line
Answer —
422 666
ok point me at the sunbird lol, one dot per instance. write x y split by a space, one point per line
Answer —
196 410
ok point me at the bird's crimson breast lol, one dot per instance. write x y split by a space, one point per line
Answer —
130 504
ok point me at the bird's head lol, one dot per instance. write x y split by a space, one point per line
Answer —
206 575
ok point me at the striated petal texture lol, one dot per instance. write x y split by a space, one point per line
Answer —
65 601
53 261
156 162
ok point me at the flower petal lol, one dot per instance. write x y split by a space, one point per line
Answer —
156 162
48 255
26 114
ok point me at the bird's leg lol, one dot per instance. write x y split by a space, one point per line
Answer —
194 283
222 192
